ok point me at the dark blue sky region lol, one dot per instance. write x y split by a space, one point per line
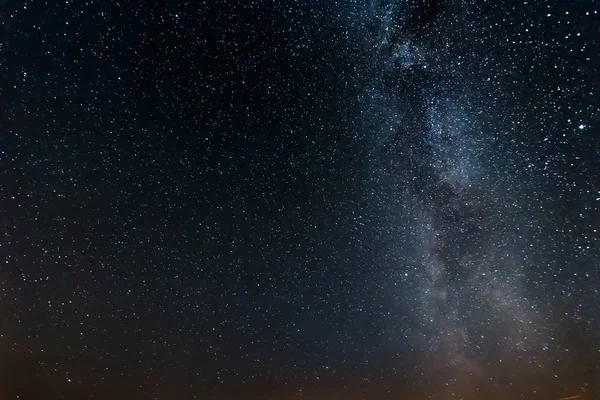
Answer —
295 199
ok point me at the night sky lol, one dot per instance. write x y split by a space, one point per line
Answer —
321 200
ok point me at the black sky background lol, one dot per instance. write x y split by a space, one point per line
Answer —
201 200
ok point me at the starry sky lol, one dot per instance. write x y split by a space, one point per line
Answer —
361 199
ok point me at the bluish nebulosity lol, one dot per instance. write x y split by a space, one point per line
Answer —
462 242
465 239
